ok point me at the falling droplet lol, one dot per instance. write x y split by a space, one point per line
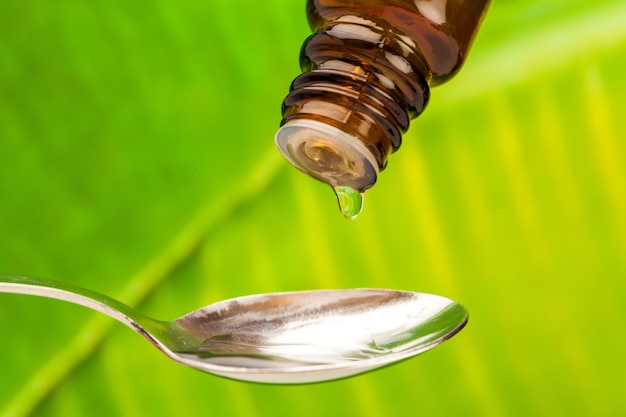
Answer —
350 201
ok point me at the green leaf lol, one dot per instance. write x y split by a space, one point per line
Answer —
138 161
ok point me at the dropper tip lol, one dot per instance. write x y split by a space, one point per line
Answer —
350 201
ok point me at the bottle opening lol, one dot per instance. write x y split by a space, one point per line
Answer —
327 154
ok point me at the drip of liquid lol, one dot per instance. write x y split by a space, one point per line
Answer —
350 201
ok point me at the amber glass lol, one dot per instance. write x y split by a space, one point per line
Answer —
367 71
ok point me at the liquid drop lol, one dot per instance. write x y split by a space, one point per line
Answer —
350 201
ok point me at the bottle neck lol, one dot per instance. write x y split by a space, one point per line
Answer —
362 80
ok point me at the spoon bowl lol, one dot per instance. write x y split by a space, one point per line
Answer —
283 338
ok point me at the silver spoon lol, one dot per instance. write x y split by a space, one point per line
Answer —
283 338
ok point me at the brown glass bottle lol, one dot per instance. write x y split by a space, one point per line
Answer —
367 71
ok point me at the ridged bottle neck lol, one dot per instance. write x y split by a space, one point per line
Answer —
363 80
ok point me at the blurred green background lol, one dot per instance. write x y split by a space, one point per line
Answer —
137 159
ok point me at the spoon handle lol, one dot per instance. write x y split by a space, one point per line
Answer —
81 296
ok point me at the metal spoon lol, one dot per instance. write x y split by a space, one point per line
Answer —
283 338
